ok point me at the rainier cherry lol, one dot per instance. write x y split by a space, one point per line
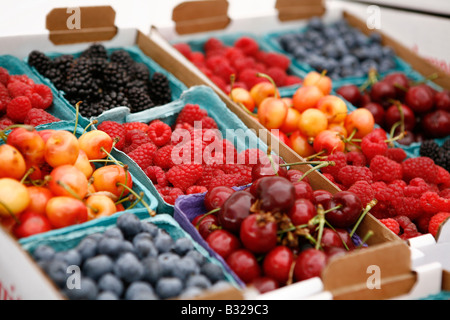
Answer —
29 143
67 180
61 148
112 178
66 211
100 205
14 197
31 223
94 143
12 163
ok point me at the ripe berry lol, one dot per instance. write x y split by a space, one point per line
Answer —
309 264
257 235
245 265
278 263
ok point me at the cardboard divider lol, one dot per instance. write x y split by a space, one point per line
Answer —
289 10
81 24
200 16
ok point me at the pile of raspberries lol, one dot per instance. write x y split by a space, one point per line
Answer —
23 102
244 59
413 194
153 145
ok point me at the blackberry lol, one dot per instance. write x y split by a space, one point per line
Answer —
160 91
139 100
57 72
115 77
80 84
97 67
141 72
96 50
443 160
40 61
123 59
446 145
429 148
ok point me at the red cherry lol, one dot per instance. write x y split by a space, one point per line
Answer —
350 93
322 197
205 224
436 124
267 168
294 175
223 242
244 264
377 111
392 116
345 237
216 197
420 99
399 81
265 284
349 212
258 236
235 209
31 223
275 194
303 190
381 92
309 264
442 100
277 264
330 239
302 211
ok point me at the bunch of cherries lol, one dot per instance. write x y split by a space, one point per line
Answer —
279 230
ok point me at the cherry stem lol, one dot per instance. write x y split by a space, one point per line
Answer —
77 113
293 228
334 208
369 206
10 212
107 161
366 237
74 194
322 165
150 211
111 157
317 155
343 242
321 216
303 162
262 75
431 77
131 197
27 174
89 125
205 215
141 195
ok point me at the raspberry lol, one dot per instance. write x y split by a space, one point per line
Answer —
115 130
374 144
40 95
416 188
159 132
243 63
274 59
198 59
278 75
250 157
5 122
229 151
36 117
4 76
407 228
208 123
445 193
163 157
184 49
420 167
356 158
244 171
212 62
157 176
213 44
249 76
21 78
4 97
134 138
223 70
408 206
292 80
196 189
385 169
432 202
190 114
436 221
396 154
340 160
184 175
143 155
398 184
443 178
17 88
227 180
391 224
209 173
170 194
218 81
248 45
348 175
364 191
18 109
385 195
135 126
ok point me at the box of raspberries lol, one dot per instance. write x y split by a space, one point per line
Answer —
185 147
105 78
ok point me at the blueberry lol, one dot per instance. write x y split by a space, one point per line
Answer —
71 257
128 267
110 246
129 224
95 236
186 267
107 295
315 23
57 271
167 261
213 271
97 266
43 253
140 290
299 52
109 282
142 235
145 248
197 256
152 269
198 280
169 287
388 51
114 232
127 246
183 245
150 228
163 242
87 248
368 64
88 290
375 37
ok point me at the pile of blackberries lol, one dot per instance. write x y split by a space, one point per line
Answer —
439 154
102 80
133 260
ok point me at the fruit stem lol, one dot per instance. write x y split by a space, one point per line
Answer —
89 125
10 212
322 165
150 211
366 237
111 157
262 75
293 228
334 208
304 162
27 174
130 198
431 77
369 206
343 242
141 195
317 155
106 161
77 113
321 216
